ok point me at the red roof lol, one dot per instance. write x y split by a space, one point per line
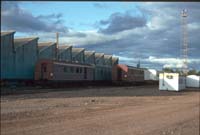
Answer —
123 67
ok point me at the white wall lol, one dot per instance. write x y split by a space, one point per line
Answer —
193 81
171 82
150 74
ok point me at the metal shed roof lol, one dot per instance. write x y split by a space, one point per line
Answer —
99 55
107 56
22 41
44 45
115 59
89 53
4 33
63 48
76 51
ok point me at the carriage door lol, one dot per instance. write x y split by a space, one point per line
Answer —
44 71
85 73
119 74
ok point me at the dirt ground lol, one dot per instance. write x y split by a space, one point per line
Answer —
135 110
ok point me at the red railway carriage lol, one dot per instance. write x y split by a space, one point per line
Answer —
63 71
126 73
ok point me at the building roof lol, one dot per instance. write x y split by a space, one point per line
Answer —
132 67
115 58
4 33
99 55
89 53
44 45
76 51
22 41
62 48
123 67
107 56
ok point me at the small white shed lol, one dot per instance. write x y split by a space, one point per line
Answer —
171 82
193 81
150 74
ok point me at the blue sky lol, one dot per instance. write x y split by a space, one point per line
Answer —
79 15
145 31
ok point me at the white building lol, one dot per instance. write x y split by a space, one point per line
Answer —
193 81
171 82
150 74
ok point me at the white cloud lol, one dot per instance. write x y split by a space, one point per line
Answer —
193 26
170 60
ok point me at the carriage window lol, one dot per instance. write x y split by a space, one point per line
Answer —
77 70
72 69
65 69
101 71
80 70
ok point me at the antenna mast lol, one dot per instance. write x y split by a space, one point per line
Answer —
184 41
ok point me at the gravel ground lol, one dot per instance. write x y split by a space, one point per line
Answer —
135 110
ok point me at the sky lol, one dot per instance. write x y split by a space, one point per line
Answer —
149 32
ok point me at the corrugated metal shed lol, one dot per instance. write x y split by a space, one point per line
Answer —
108 60
89 57
101 71
78 55
7 55
115 60
108 67
25 57
99 58
65 53
47 50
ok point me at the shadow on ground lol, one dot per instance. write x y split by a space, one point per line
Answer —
90 91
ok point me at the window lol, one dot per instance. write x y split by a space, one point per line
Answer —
65 69
77 70
101 71
80 70
169 76
71 69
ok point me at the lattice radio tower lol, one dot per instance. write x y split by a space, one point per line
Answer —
184 42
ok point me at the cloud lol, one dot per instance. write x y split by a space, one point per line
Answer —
100 5
14 17
119 22
153 37
164 62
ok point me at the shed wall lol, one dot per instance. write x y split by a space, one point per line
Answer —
66 55
99 61
25 60
79 57
48 53
7 57
90 60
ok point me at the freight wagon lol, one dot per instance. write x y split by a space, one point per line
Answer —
127 74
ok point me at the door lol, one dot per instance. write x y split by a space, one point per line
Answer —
44 71
85 73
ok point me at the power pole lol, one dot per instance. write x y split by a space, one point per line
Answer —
184 41
57 43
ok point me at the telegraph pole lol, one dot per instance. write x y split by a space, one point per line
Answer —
57 43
